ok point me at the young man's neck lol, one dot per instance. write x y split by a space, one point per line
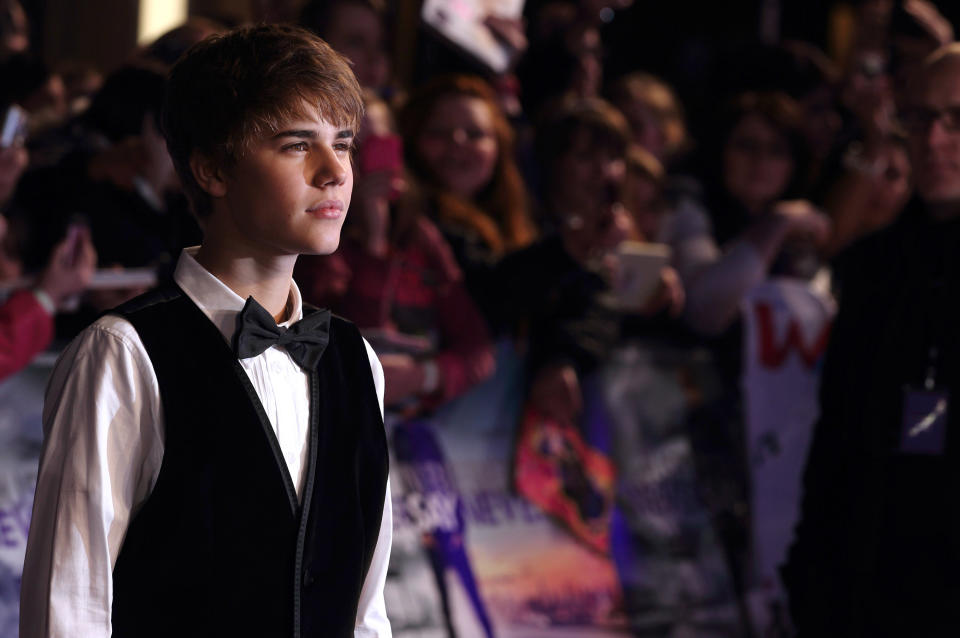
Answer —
266 279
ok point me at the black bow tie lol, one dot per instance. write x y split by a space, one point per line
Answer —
305 340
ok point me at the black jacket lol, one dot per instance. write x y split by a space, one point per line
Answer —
877 551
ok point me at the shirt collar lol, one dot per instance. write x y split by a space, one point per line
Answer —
217 301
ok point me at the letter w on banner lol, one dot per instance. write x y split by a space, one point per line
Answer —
786 329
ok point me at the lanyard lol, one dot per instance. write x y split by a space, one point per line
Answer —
936 309
933 359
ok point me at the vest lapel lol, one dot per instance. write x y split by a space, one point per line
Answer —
268 432
220 352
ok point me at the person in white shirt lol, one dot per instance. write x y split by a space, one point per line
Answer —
214 459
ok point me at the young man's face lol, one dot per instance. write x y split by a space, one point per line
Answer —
290 192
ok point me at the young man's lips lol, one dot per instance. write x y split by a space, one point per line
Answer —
329 208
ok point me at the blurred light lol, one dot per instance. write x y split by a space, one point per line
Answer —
606 14
156 17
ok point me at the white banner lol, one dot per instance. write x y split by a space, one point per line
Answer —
786 328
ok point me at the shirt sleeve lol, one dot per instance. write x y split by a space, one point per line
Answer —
715 281
715 294
372 612
101 455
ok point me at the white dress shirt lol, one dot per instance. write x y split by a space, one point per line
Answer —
102 449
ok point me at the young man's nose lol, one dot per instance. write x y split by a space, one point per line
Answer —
327 169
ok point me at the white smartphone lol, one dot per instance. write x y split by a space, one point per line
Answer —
103 279
392 342
461 23
639 274
106 279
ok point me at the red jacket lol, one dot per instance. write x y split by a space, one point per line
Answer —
26 329
416 289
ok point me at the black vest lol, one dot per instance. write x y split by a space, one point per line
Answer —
222 547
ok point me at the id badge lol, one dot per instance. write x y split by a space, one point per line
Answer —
923 428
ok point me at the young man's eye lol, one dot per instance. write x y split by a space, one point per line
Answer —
297 146
343 147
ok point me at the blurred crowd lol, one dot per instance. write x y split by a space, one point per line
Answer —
564 206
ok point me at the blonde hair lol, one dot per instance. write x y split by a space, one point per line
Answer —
657 96
948 53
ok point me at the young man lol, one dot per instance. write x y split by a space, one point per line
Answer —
206 472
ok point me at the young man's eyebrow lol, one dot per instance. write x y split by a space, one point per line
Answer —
308 134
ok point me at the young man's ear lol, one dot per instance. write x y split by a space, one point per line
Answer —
208 174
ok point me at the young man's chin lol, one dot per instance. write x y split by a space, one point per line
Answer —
326 246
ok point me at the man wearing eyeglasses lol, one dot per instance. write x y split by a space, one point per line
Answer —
877 551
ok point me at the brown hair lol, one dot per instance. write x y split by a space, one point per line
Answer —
948 53
231 89
500 212
781 112
660 99
642 162
562 123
